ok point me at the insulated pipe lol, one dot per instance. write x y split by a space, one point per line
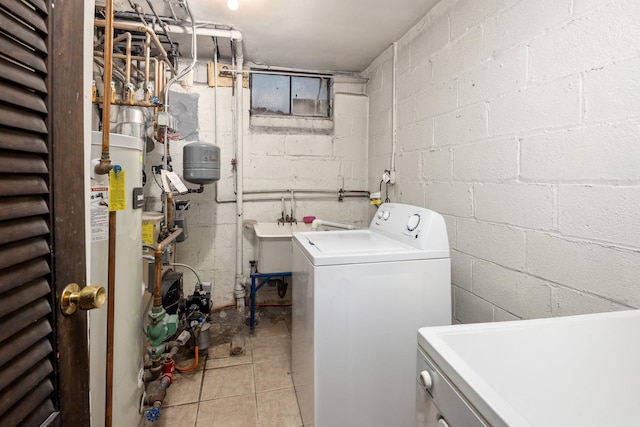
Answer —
207 32
157 289
318 222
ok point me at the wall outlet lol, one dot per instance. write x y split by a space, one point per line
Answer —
389 176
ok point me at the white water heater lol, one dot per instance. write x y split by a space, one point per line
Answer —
126 152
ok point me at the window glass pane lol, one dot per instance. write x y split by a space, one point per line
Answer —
310 96
270 94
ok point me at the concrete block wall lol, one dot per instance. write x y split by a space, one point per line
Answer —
275 158
519 121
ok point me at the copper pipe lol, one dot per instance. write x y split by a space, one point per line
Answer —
169 210
104 166
157 291
147 59
119 74
127 70
141 29
156 75
161 76
111 293
122 56
128 103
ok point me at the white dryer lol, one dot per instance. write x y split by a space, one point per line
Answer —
358 299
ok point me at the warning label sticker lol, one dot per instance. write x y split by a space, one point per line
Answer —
99 213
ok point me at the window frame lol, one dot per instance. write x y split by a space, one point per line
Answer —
291 115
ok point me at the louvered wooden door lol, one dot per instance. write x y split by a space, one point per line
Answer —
43 355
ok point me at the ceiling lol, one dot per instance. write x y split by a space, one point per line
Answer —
327 35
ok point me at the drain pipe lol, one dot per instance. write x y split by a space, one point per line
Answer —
239 290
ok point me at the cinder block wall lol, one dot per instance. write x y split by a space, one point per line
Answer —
519 121
275 158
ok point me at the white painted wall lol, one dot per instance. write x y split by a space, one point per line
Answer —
519 121
274 159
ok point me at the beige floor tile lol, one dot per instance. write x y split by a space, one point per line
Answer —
272 375
220 351
220 355
237 411
271 348
185 388
278 408
270 328
243 359
177 416
228 381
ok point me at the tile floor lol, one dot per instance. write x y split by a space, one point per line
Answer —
253 389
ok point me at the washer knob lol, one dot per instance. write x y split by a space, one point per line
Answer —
380 214
425 380
413 222
386 215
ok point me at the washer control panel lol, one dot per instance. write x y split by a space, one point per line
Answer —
407 223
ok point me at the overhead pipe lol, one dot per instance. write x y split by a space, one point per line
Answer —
203 30
340 194
141 29
161 22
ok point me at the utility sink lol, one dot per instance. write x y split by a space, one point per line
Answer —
566 371
274 245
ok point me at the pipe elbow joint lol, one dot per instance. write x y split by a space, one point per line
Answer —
103 167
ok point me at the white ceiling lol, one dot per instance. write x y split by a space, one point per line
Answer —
328 35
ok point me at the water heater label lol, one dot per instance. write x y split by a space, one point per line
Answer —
99 201
117 191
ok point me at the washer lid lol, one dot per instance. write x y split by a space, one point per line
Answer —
565 371
358 246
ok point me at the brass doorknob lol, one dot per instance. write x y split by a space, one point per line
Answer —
86 298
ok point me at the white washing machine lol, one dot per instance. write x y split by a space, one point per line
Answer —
358 299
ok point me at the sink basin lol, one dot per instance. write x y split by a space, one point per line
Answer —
274 245
567 371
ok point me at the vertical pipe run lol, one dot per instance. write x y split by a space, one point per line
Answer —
111 289
239 290
103 168
394 108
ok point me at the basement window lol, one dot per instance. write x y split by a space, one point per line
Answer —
290 95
